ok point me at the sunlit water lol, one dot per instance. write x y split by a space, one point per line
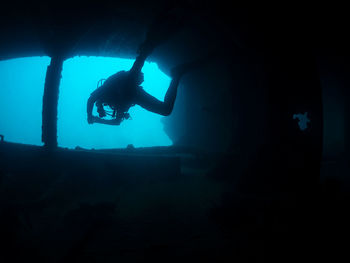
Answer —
21 104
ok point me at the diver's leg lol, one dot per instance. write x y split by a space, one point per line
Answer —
170 95
165 108
152 104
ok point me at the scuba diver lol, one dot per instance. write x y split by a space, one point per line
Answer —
123 90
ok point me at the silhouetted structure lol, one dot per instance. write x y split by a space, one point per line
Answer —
242 183
50 100
122 90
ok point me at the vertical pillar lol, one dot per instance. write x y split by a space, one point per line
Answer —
50 101
347 111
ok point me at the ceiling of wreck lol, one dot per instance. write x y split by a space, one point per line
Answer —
106 28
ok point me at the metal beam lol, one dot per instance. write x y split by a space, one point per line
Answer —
50 101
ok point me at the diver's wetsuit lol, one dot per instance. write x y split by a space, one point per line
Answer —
122 91
117 90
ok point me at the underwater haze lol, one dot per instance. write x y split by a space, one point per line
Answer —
21 104
21 92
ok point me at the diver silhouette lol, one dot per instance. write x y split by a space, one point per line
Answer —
122 90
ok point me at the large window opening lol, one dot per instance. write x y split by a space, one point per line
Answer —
79 79
21 99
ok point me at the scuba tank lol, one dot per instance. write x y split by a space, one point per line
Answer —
116 85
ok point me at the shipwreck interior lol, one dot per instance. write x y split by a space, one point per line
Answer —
255 165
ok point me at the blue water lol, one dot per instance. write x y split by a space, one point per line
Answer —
21 104
21 91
